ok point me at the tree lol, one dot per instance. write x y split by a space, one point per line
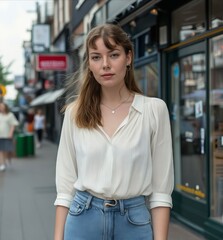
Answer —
4 73
4 81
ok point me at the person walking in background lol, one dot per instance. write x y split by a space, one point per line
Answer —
39 126
115 150
8 122
30 121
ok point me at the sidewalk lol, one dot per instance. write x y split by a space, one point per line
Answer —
27 194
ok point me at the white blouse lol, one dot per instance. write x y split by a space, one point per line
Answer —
7 121
137 160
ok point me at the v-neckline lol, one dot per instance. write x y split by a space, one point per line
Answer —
123 123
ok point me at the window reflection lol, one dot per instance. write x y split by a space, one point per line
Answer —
216 126
216 13
188 21
189 124
147 77
146 43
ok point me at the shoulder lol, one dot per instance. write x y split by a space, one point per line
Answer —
70 110
11 115
154 103
71 107
148 104
12 118
156 108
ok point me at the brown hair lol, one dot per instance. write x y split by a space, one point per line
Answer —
87 112
7 110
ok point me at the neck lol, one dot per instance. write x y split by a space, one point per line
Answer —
113 108
114 97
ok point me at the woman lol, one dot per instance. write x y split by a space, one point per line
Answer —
39 126
115 150
8 122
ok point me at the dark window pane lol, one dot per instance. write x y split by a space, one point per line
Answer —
216 13
188 21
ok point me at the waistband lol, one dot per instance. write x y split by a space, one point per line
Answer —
109 205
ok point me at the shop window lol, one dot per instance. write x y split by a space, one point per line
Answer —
216 126
216 13
147 78
146 43
189 124
188 21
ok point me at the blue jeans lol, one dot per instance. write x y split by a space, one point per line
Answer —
92 218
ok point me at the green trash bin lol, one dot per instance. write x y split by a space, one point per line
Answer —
21 150
30 144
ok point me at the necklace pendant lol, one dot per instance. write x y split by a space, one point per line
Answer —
113 111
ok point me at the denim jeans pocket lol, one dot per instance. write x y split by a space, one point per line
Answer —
139 215
76 207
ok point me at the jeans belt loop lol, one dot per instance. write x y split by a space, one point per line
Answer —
89 201
122 207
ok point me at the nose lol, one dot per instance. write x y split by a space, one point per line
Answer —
106 64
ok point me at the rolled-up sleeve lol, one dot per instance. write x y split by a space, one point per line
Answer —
162 157
66 169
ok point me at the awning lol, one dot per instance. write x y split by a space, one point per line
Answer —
47 98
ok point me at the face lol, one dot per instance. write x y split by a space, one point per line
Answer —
2 107
108 66
39 111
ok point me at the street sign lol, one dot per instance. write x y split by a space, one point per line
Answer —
51 62
40 38
2 90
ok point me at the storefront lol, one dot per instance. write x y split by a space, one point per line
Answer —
179 57
194 67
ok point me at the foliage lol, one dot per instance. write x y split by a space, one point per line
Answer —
4 73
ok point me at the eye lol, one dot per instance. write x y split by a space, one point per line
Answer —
114 55
95 57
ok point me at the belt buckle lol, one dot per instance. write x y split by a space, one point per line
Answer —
107 204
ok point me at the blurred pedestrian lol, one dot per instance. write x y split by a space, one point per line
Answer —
30 121
8 122
115 150
39 126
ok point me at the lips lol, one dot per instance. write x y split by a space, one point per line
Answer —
107 75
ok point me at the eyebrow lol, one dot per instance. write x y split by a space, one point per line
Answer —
112 50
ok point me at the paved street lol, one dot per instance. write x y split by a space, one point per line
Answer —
27 193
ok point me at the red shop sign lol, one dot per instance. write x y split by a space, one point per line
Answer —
51 62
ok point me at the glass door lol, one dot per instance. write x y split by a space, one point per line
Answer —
188 119
216 127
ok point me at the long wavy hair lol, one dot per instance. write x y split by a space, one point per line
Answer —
87 112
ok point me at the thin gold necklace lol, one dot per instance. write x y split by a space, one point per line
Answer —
113 110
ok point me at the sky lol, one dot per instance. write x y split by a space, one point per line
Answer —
16 17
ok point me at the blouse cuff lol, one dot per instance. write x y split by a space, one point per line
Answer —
63 200
160 200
